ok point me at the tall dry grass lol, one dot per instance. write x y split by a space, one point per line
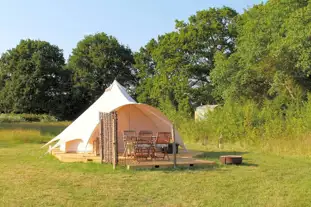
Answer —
21 136
22 133
270 126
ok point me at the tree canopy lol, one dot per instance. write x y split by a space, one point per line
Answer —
176 67
95 62
32 78
273 54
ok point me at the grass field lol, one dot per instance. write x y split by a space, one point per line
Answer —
30 178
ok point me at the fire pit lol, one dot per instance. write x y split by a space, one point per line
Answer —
231 159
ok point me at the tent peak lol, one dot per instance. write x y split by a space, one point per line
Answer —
115 81
114 84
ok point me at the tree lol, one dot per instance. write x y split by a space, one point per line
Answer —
95 62
273 54
175 68
146 65
32 78
206 33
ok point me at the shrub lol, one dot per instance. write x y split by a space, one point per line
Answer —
10 118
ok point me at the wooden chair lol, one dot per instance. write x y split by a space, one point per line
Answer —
161 143
145 133
143 145
129 138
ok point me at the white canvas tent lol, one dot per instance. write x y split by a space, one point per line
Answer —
80 135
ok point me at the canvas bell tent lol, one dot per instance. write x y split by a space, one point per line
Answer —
81 134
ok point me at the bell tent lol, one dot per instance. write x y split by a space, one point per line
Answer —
80 135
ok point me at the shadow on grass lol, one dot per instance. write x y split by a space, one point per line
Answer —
177 169
247 164
216 155
212 156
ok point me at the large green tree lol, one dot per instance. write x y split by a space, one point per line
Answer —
95 62
206 33
273 57
32 78
176 67
146 64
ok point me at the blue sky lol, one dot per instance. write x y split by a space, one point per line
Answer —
65 22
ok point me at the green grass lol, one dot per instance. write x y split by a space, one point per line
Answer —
30 178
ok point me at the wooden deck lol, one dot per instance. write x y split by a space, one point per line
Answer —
184 159
75 157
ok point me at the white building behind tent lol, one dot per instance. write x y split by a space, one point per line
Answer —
201 111
81 134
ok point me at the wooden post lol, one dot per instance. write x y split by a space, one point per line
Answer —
101 141
115 140
116 144
106 137
174 146
220 142
205 138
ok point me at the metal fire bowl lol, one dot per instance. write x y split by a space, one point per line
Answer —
231 159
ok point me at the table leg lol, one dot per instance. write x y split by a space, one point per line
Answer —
125 151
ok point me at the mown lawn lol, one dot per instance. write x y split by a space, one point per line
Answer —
30 178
